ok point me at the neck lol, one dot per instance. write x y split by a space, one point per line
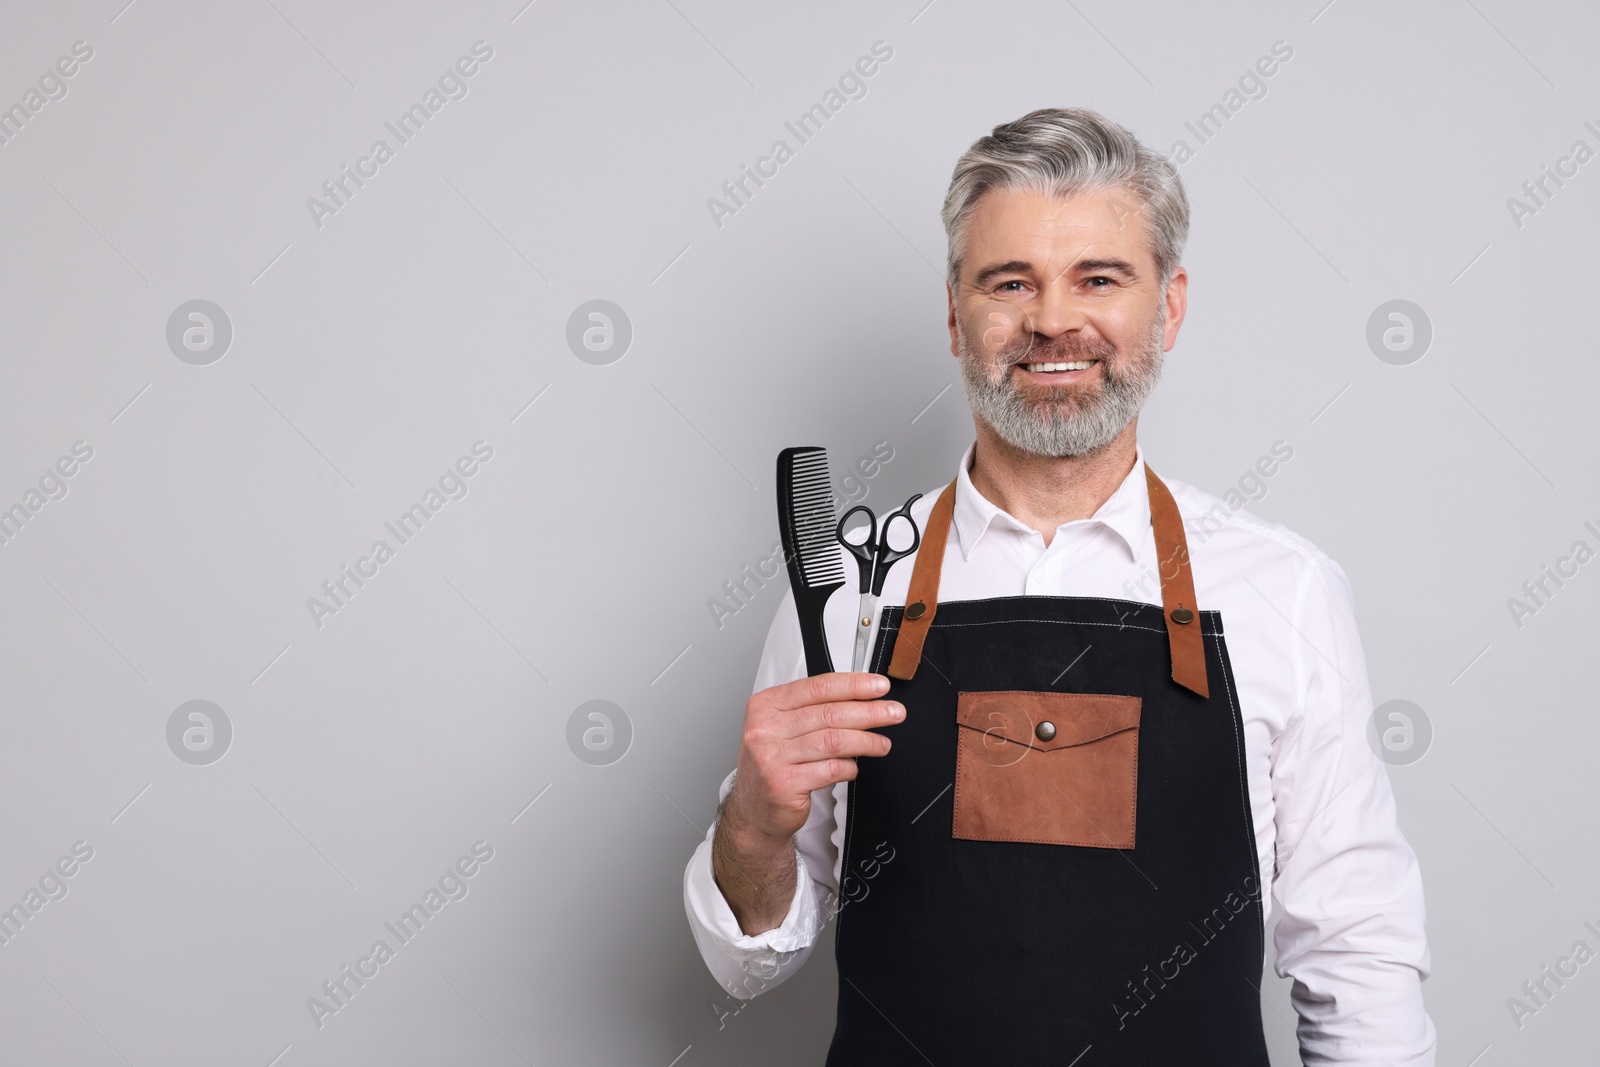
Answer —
1046 491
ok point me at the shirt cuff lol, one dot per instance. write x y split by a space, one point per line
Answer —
727 950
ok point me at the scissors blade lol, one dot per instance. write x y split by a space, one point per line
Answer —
869 608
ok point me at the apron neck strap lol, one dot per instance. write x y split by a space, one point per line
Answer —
1177 588
922 596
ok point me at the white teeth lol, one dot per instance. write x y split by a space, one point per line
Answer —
1041 368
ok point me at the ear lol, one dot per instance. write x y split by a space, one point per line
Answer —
1177 298
950 298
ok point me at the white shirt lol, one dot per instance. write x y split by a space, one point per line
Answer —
1351 933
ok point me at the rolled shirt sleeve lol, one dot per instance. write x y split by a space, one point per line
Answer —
1351 935
747 965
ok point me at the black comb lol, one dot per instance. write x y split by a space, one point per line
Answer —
807 525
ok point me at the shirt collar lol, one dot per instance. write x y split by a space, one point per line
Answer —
1126 512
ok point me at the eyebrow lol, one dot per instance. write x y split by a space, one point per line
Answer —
1106 266
1082 266
989 274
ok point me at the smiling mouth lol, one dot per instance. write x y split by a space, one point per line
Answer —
1057 368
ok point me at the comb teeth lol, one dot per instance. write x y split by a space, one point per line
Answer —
807 504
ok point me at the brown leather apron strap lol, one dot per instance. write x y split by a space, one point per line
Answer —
922 597
1177 589
1172 556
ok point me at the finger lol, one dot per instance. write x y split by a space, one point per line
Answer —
825 773
834 744
821 688
842 715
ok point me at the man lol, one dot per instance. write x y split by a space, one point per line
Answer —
1078 787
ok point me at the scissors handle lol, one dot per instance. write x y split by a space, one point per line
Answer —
866 553
888 555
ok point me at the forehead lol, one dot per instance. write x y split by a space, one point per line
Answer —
1052 232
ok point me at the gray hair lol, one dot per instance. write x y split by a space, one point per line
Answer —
1063 151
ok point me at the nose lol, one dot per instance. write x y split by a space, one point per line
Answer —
1056 310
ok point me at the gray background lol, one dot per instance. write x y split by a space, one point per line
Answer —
370 353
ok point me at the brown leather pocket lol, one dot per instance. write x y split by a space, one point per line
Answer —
1050 768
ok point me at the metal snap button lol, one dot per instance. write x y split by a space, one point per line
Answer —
917 610
1182 616
1045 731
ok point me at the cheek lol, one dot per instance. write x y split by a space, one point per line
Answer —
1135 333
992 327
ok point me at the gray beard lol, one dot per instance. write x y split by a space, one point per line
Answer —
1064 427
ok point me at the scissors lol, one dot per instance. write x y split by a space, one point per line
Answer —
874 557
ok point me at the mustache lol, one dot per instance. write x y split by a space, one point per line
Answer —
1057 350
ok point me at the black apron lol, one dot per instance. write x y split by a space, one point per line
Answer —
1073 875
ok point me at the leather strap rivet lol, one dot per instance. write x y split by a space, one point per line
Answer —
1182 616
917 610
866 620
1045 731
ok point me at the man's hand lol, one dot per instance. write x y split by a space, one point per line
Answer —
798 737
